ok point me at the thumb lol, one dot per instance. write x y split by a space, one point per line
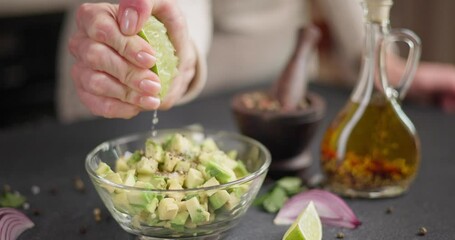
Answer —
132 15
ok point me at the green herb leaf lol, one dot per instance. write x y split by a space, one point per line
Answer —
275 200
13 200
291 185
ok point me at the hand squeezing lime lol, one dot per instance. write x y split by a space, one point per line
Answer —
155 33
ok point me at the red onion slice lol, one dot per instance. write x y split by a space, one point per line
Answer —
331 209
13 223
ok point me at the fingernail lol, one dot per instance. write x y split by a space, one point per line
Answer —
149 102
129 21
146 59
150 86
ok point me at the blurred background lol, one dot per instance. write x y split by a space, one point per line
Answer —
29 39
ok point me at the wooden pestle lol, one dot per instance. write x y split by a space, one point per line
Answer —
291 87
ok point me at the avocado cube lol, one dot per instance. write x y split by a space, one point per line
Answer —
180 144
209 145
103 169
197 213
232 202
232 154
181 218
194 178
113 177
170 160
120 202
218 199
211 182
167 209
153 150
130 178
134 158
121 165
175 185
147 166
240 170
158 182
182 166
220 172
152 205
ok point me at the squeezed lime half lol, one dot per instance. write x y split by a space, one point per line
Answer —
155 33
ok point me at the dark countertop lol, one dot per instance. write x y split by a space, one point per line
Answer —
50 155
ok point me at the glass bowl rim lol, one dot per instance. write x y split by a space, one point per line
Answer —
135 136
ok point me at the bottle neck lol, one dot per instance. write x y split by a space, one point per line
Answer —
374 32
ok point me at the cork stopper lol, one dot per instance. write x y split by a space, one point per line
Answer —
377 11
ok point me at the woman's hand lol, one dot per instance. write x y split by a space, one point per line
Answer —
437 81
433 82
111 72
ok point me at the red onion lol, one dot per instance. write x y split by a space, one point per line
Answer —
13 223
331 209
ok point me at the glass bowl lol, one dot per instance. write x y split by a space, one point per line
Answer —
141 222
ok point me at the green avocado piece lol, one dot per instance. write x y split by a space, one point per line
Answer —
218 199
221 173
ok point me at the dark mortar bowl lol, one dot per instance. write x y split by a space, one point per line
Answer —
286 135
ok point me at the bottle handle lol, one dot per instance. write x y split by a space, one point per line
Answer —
414 43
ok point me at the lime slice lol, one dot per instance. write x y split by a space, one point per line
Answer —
155 33
306 227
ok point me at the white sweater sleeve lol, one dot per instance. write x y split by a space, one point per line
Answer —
198 14
345 19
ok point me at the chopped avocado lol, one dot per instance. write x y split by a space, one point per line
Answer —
174 163
239 190
197 213
130 179
178 143
194 178
154 150
232 154
175 185
158 182
152 205
103 169
232 202
147 166
221 173
240 170
209 145
211 182
136 157
115 178
167 209
121 165
218 199
170 160
182 166
120 201
181 218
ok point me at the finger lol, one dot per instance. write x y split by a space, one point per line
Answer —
103 85
133 14
99 22
167 11
107 107
102 58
